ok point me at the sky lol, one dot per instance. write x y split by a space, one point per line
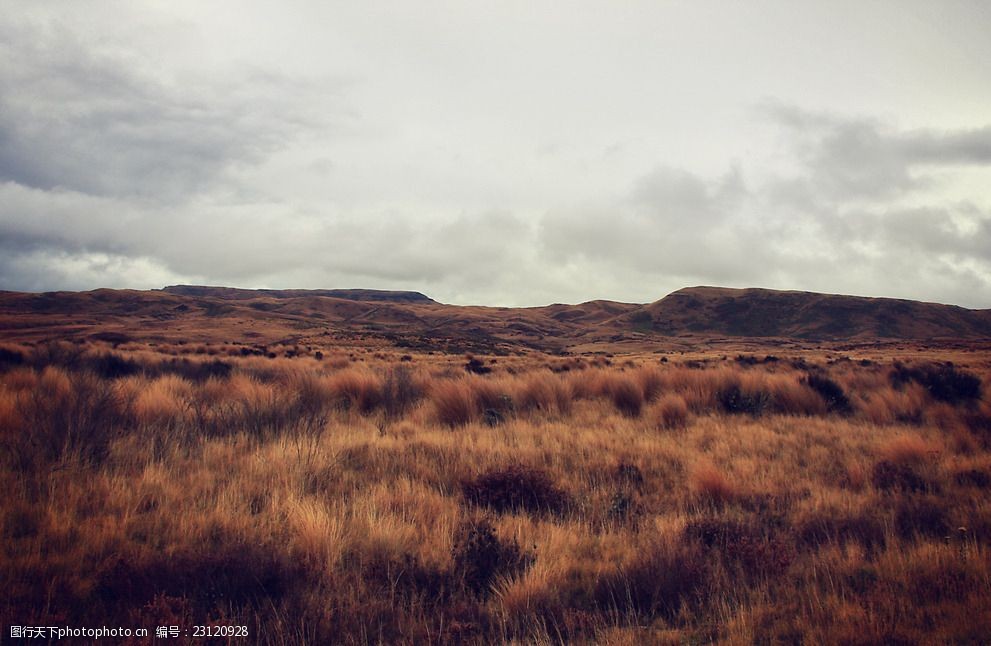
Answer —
500 153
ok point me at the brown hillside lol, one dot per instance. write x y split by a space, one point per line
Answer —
323 318
806 315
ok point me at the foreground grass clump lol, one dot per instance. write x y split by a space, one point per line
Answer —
411 501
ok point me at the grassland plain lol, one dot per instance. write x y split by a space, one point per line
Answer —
368 496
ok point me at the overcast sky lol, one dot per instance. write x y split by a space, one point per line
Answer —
502 153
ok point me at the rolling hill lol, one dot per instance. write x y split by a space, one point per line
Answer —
320 318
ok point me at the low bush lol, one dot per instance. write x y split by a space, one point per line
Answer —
736 401
944 382
831 393
479 556
755 551
454 402
671 412
516 488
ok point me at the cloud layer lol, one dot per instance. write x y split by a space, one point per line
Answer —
118 169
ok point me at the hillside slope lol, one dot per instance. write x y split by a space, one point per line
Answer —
807 315
681 320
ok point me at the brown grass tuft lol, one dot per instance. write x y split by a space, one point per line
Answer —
454 402
709 484
671 412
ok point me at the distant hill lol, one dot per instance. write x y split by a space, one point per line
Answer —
235 293
807 315
683 320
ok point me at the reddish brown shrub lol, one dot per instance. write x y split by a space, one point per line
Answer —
756 552
516 488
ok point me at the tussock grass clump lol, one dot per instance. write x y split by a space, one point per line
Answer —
651 382
627 397
68 417
544 392
400 392
671 412
710 485
357 389
516 489
454 402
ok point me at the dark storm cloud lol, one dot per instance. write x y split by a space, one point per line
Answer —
75 117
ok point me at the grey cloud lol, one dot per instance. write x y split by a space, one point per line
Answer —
75 117
846 158
671 222
836 222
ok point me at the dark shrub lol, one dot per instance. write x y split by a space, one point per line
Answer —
889 475
755 552
477 367
404 575
57 353
657 583
736 401
194 370
10 358
831 393
918 516
943 382
213 578
112 366
832 528
973 478
478 557
114 338
516 488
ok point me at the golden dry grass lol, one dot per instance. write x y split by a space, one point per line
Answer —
357 502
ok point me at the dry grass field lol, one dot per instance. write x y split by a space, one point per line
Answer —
370 495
